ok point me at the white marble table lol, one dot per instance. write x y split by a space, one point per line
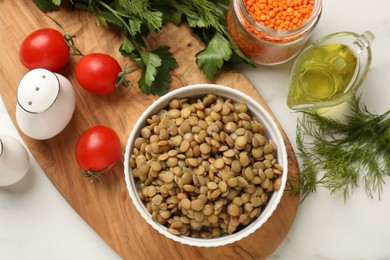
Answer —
37 223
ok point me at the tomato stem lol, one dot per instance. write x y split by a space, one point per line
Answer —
96 175
69 41
121 78
68 38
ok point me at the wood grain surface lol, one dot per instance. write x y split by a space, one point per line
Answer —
105 205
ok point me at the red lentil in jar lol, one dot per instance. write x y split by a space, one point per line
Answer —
271 32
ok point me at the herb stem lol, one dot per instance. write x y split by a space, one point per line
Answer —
117 15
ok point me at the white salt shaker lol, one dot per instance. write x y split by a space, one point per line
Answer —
14 160
45 104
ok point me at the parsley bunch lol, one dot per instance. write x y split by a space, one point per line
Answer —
137 18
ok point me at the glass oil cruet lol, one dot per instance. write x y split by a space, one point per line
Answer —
330 70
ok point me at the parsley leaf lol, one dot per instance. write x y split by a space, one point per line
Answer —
159 86
167 59
213 56
47 5
127 47
152 62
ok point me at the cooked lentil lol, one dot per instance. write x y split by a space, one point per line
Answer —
204 167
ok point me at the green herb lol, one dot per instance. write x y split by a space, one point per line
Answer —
212 58
69 39
340 155
162 59
46 6
137 18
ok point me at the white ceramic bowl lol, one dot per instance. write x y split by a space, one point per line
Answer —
272 132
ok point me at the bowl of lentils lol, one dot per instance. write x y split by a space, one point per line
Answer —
205 165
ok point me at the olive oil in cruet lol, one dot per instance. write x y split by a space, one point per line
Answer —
323 73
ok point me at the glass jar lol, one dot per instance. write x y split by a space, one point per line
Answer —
264 45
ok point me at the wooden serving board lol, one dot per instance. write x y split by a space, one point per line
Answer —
105 205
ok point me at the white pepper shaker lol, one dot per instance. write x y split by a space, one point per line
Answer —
45 104
14 160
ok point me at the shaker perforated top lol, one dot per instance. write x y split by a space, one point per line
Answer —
38 90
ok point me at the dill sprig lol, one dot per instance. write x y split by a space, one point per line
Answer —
340 155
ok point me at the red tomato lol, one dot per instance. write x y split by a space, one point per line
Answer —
98 150
45 48
97 73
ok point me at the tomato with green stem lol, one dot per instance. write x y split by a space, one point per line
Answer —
98 150
44 48
100 73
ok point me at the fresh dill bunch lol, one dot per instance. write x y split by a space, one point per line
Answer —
199 13
341 155
142 9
